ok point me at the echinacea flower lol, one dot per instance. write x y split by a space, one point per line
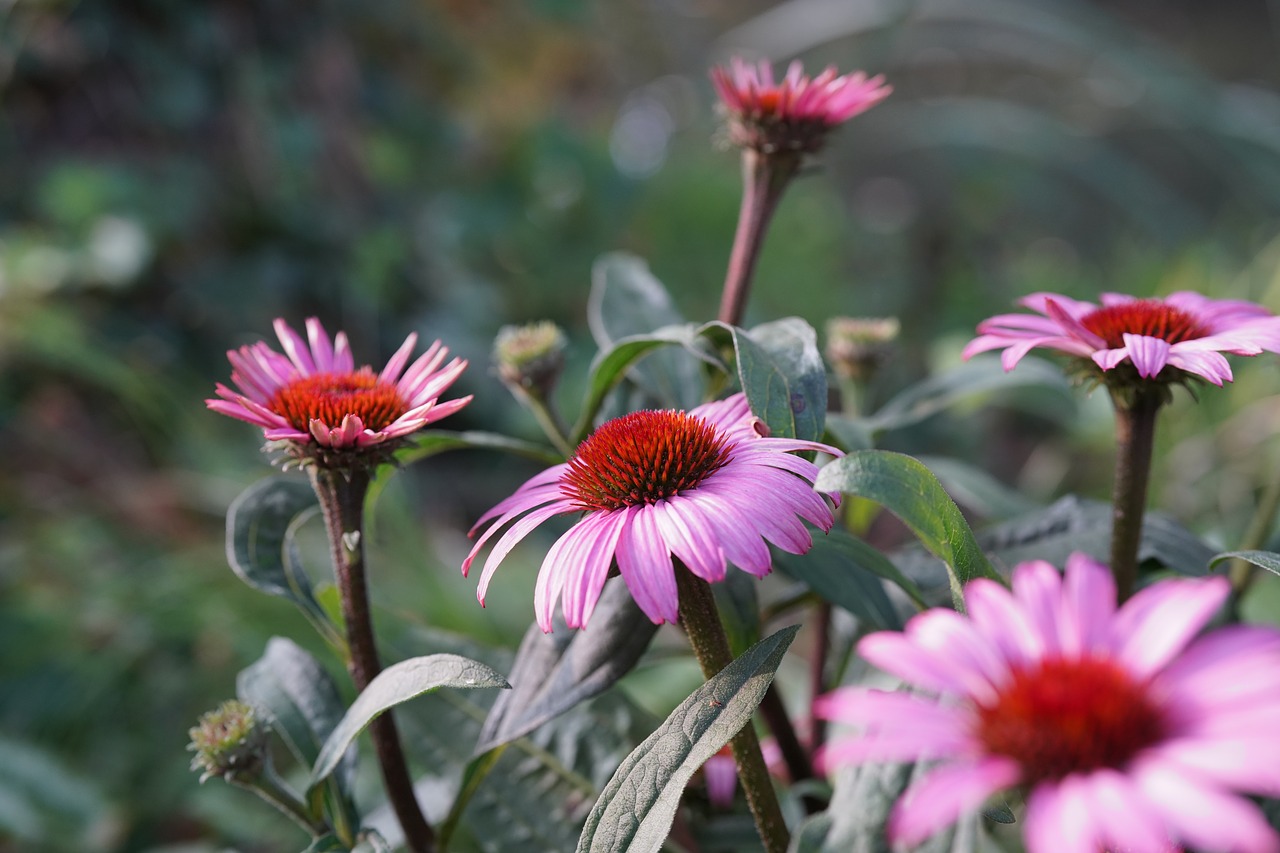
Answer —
314 398
796 112
721 775
703 486
1123 730
1169 339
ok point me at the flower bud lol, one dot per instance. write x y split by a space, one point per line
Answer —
858 346
530 357
228 742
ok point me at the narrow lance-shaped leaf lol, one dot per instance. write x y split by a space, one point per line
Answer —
906 488
1268 560
554 672
395 684
636 808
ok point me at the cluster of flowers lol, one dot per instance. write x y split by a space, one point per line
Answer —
1124 728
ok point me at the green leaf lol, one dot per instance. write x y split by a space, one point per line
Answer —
976 489
553 672
299 700
906 488
635 810
1268 560
971 379
327 844
45 804
396 684
782 374
431 442
261 547
846 571
739 607
628 301
612 365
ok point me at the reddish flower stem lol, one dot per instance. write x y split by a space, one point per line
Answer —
1135 443
764 177
342 494
701 622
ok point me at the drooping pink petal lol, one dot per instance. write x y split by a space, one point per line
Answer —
944 794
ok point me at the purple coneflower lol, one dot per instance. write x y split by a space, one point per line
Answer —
703 486
796 112
1184 332
314 394
1123 731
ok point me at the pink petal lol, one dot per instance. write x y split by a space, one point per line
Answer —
1202 815
1154 626
941 797
1149 355
645 563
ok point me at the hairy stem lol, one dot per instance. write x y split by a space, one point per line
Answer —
1135 442
701 622
764 177
342 494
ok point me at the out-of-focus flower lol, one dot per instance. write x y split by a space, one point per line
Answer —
315 400
228 742
857 346
704 486
531 356
794 113
1124 731
1172 339
721 775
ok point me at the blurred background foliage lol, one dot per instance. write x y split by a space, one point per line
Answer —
174 175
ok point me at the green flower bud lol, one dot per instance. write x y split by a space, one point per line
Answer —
228 742
858 346
530 357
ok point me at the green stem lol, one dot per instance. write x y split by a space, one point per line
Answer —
702 623
271 788
764 177
1135 442
536 403
342 494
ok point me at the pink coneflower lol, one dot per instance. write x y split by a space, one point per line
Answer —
1170 339
314 395
704 486
796 112
1124 732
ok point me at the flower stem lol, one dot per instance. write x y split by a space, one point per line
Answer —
1135 441
342 494
271 788
764 177
707 638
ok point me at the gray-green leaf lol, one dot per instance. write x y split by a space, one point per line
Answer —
635 810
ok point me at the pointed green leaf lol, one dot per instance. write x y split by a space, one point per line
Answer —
635 810
612 365
1268 560
628 301
906 488
976 489
553 672
396 684
782 374
261 547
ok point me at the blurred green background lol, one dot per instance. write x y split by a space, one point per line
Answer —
175 175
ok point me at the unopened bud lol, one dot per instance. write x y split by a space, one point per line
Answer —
531 356
228 742
858 346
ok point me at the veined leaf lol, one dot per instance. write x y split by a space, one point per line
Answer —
262 551
635 810
553 672
846 571
906 488
398 683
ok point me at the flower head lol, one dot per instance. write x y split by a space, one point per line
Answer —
1124 731
795 113
1165 340
530 356
703 486
315 400
228 742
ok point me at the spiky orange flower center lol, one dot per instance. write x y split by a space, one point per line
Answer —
329 397
642 458
1065 716
1149 317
